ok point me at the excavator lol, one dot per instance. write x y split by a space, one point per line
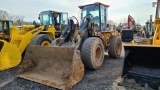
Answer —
52 23
62 64
131 20
5 26
141 63
127 33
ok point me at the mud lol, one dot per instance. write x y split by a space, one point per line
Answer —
106 78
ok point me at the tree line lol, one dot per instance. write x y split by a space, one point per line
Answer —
17 19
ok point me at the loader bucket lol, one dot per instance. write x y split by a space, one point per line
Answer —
141 66
58 67
10 55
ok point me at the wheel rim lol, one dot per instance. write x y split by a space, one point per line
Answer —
98 53
45 43
118 47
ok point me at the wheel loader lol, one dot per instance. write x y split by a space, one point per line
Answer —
5 26
62 64
52 23
141 68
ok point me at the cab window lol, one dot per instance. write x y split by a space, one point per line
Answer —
0 26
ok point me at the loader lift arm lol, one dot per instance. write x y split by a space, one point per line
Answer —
85 30
68 33
18 43
73 29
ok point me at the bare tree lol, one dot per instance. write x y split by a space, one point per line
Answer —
17 19
4 14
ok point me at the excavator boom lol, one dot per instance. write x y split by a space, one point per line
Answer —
130 20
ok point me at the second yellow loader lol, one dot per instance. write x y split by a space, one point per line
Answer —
52 23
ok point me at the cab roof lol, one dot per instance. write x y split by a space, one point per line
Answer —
1 19
54 11
93 4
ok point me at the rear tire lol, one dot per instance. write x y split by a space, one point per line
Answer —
92 53
41 40
115 47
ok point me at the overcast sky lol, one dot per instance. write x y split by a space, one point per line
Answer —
118 10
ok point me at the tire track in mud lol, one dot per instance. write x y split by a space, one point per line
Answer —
5 83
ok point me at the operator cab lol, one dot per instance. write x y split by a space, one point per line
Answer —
99 12
58 19
150 28
5 26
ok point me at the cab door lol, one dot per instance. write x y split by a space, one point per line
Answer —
64 20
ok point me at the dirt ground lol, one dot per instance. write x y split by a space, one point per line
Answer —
106 78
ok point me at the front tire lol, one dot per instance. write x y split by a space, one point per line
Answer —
92 53
41 40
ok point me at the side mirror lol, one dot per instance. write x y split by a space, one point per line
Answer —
150 17
34 22
39 17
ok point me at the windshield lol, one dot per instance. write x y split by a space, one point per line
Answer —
46 18
64 19
10 24
119 27
150 27
0 26
94 10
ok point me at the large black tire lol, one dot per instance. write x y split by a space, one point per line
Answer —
39 39
115 47
92 53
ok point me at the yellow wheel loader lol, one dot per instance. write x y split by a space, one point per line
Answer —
5 26
52 23
141 68
62 64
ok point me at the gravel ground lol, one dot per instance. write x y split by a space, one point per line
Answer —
106 78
